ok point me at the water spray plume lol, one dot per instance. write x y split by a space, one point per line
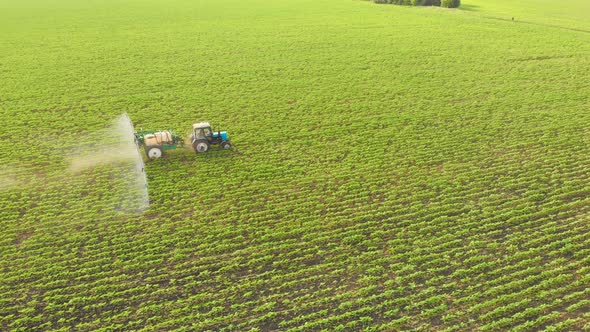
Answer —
11 176
7 183
115 147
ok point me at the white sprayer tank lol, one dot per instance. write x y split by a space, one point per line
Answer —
158 138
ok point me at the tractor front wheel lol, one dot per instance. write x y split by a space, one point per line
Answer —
201 146
225 145
154 152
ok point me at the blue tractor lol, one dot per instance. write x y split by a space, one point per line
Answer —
203 137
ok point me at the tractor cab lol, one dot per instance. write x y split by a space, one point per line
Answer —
203 137
202 130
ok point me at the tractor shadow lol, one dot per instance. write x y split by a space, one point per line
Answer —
188 155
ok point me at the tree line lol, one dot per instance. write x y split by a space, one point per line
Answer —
441 3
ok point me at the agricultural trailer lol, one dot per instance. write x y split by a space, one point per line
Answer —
202 138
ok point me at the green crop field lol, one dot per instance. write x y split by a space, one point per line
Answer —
396 168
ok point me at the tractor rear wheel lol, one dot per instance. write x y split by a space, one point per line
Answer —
225 145
154 152
201 146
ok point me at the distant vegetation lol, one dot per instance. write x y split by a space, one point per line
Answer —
442 3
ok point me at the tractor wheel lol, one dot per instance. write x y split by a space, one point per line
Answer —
201 146
154 152
225 145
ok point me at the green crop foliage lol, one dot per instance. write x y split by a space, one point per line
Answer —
397 167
